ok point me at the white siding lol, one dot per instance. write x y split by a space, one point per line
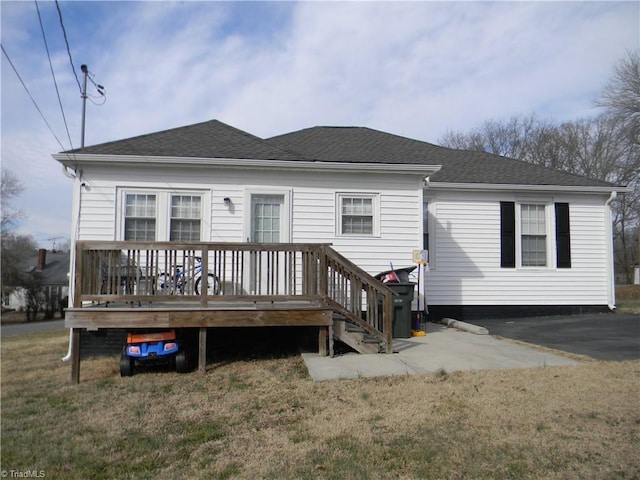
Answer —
313 211
465 236
467 255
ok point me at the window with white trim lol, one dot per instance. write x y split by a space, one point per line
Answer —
533 235
357 214
140 217
186 213
162 215
530 243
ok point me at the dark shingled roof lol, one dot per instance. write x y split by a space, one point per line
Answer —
358 144
56 267
214 139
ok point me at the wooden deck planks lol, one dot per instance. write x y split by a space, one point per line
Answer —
222 315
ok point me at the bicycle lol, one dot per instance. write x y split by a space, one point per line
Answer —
175 284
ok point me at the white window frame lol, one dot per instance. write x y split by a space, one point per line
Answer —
124 212
172 195
163 210
375 206
547 204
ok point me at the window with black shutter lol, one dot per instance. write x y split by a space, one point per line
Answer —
507 234
563 238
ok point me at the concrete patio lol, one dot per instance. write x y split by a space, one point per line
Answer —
442 348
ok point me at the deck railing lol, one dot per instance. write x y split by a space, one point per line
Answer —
208 273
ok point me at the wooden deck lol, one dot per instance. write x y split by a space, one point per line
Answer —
222 314
203 285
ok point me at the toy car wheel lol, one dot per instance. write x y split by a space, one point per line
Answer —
126 365
182 361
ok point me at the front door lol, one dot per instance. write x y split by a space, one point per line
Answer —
269 223
267 218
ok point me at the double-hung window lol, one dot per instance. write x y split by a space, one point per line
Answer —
186 213
357 214
533 235
140 217
531 242
162 215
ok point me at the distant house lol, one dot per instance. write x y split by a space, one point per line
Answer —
52 267
504 237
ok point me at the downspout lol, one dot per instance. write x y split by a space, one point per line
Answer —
75 219
611 280
66 172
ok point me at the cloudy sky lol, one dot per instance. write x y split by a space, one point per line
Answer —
416 69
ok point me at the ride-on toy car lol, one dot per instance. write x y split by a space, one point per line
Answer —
153 346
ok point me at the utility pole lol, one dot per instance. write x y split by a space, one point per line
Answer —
85 70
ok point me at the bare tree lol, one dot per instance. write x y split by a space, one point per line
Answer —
32 283
527 138
621 100
621 95
16 249
11 188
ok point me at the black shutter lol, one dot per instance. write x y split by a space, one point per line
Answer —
507 234
563 239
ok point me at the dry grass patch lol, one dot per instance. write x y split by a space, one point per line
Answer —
628 298
265 418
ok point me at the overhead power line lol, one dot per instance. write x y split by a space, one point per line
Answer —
31 96
46 46
66 41
99 88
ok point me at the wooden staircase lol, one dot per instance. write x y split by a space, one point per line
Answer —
356 337
348 288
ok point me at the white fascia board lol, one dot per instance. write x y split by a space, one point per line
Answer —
74 160
528 188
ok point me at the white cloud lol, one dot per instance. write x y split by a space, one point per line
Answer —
413 68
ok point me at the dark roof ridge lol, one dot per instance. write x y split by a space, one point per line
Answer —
144 135
209 139
458 165
524 163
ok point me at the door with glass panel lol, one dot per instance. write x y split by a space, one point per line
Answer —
269 224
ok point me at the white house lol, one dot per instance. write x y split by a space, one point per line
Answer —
292 228
52 271
504 237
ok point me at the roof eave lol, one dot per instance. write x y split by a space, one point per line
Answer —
535 188
74 160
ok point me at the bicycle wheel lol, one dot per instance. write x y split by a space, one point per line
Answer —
164 284
213 285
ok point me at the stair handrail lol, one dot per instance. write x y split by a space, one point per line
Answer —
367 283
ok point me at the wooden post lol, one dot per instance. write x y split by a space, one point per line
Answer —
78 283
78 279
387 321
202 351
204 277
324 273
322 341
75 355
330 333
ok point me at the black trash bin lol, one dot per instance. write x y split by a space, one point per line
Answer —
402 308
398 281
